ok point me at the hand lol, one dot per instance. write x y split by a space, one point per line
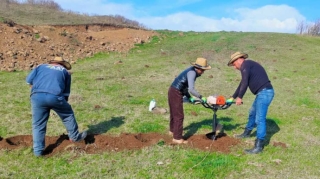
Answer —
239 101
191 99
229 101
203 100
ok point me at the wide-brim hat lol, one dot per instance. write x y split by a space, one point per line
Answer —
201 63
61 61
237 55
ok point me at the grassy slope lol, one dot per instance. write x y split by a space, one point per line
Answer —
36 14
147 71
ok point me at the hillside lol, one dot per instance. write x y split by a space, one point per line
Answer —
23 47
33 33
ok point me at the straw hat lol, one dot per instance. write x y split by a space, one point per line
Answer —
235 56
61 61
201 63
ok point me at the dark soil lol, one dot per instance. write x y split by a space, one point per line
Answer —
97 143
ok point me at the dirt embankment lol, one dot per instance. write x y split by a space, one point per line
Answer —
24 47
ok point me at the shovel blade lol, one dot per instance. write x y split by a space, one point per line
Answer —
211 135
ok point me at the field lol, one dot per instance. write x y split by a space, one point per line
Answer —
111 94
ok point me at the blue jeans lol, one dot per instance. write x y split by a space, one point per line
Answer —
41 104
258 112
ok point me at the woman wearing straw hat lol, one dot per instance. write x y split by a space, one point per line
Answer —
183 85
50 89
255 77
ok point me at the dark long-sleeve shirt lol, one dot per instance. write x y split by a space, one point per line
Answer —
253 76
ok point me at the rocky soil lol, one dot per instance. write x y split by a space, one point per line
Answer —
24 47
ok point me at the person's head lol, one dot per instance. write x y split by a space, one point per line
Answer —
61 61
237 59
201 65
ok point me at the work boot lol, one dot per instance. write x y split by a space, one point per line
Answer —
246 133
258 147
81 136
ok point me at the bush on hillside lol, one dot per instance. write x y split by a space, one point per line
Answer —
48 12
312 29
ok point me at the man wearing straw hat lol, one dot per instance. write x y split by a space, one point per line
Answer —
255 77
50 89
183 85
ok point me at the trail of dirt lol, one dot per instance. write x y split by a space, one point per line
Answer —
97 143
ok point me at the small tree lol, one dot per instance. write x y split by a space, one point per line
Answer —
301 27
314 30
47 3
309 29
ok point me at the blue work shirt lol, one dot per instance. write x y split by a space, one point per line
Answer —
50 78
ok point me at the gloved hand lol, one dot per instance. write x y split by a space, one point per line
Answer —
203 100
191 99
229 101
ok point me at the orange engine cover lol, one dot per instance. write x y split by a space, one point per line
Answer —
216 100
221 100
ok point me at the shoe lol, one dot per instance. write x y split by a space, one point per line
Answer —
81 136
170 133
246 133
258 147
38 155
181 141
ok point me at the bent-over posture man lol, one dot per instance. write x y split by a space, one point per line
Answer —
255 77
183 85
50 89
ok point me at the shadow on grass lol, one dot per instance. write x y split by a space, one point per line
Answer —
51 147
104 126
195 126
272 128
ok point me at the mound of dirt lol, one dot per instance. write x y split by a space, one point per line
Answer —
97 143
24 47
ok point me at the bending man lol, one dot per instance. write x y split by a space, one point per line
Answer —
255 77
181 86
50 89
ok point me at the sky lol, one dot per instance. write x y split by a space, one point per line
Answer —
282 16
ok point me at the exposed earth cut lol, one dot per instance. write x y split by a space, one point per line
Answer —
24 47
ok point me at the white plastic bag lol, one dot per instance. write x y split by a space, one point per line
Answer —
152 104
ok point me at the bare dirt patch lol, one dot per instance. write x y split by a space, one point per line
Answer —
97 143
24 47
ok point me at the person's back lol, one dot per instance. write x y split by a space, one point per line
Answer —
181 81
50 78
254 76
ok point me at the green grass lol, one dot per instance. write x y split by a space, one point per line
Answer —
41 12
123 92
